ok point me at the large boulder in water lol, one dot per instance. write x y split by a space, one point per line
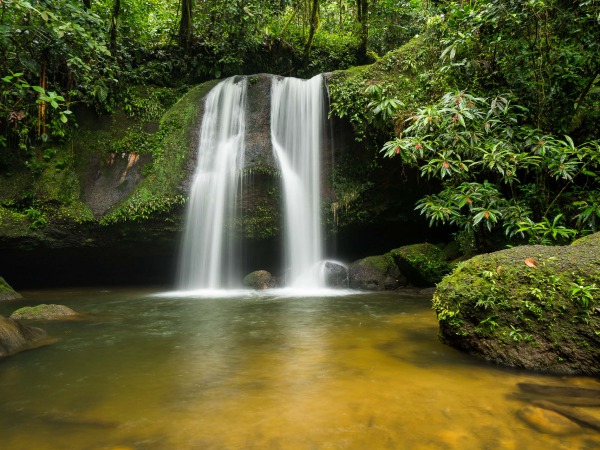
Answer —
375 273
260 280
44 312
424 265
7 292
335 274
15 337
533 307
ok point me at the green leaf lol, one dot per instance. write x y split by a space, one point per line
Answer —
39 89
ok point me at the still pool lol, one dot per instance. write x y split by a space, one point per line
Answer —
146 371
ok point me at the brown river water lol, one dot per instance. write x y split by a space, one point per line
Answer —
146 371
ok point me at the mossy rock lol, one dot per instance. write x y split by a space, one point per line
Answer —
15 337
260 280
375 273
424 265
44 312
7 292
533 307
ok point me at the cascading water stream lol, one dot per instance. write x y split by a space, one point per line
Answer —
209 256
297 122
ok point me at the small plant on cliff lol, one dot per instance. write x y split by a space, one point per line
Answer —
582 293
37 217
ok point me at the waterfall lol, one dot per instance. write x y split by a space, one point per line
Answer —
210 255
297 121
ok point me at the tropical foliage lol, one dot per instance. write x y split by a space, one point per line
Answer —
514 146
497 102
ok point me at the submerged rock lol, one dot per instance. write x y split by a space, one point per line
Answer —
15 337
423 264
532 307
44 312
546 421
7 292
375 273
260 280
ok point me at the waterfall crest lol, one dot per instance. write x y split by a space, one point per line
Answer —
297 122
210 255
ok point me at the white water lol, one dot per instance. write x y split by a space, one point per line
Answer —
209 255
297 120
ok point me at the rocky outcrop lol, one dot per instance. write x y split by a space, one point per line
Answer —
419 265
15 337
44 312
375 273
7 292
533 307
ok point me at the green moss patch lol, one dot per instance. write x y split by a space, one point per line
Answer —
423 264
535 307
43 312
171 146
7 292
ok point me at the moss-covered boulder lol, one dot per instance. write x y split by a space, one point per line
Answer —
423 264
15 337
533 307
7 292
44 312
260 280
375 273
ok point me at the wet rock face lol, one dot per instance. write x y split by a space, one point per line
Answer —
259 153
336 275
113 179
16 337
533 307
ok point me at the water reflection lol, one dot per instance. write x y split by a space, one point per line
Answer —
264 372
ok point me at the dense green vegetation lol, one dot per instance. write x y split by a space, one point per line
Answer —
496 102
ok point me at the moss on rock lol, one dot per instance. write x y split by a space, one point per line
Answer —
375 273
161 189
423 265
44 312
534 307
7 292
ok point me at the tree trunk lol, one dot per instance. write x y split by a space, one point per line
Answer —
185 25
313 28
362 15
113 26
87 4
